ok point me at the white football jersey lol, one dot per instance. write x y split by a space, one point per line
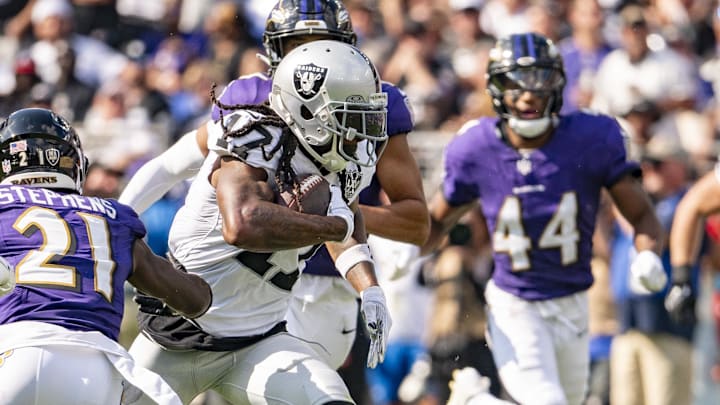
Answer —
250 290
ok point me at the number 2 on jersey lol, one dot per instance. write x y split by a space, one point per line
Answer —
560 232
37 267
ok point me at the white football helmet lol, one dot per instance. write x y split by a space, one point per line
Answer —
329 94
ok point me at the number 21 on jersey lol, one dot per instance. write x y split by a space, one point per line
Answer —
38 267
560 232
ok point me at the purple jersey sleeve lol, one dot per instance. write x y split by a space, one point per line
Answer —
399 112
462 156
72 255
252 89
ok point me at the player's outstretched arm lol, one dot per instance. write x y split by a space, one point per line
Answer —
354 261
701 200
405 219
647 273
252 221
443 216
188 294
156 177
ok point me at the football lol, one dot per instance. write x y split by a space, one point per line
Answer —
314 195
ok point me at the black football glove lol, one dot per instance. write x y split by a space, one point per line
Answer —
680 300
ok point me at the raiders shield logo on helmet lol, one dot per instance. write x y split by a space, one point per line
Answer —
308 80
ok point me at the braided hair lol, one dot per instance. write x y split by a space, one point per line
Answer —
285 175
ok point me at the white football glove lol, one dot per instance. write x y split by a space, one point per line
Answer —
647 274
7 277
377 321
466 386
339 208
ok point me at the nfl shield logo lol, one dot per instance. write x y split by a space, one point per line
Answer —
308 79
52 156
6 166
524 166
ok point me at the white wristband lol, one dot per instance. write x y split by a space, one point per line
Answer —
352 256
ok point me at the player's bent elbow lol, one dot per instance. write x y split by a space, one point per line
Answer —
237 228
238 236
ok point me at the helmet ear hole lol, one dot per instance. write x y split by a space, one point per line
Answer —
306 113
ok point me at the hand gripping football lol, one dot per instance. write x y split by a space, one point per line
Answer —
313 197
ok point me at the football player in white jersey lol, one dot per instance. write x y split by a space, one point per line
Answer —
322 296
327 116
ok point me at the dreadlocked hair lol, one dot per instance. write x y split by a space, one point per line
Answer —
285 175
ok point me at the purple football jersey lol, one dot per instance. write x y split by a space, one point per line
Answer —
72 255
540 205
254 89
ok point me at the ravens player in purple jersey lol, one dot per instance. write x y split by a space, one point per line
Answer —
321 297
71 256
538 177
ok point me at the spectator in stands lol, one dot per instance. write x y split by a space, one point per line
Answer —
637 74
582 53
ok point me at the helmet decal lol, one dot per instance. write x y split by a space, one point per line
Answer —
52 156
309 79
17 147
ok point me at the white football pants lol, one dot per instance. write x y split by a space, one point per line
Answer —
58 375
323 310
541 348
280 369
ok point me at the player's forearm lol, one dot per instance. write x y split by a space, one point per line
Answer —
186 293
685 234
190 295
404 221
362 276
649 234
264 227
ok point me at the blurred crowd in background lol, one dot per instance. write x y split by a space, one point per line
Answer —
134 75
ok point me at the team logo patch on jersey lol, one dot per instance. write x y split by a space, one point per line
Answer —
52 156
350 180
308 80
